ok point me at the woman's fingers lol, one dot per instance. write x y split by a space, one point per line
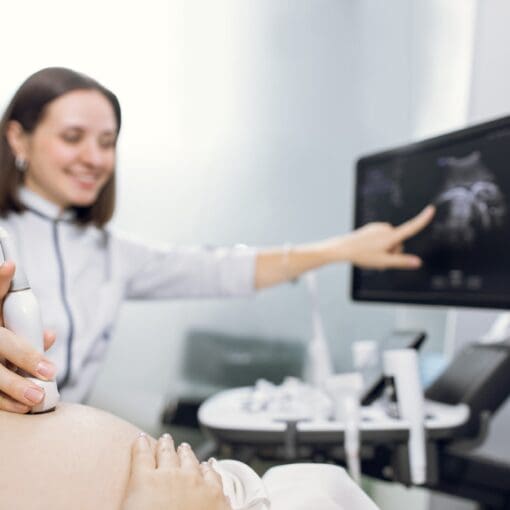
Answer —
411 227
401 261
11 405
18 394
49 339
19 388
166 456
142 456
187 458
210 475
19 352
6 274
10 366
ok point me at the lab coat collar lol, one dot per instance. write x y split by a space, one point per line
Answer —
43 207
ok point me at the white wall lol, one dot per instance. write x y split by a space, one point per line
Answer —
264 97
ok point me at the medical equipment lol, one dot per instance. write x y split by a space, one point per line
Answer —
403 381
318 363
464 253
293 400
345 392
432 440
499 330
373 379
213 361
457 411
365 358
22 316
464 250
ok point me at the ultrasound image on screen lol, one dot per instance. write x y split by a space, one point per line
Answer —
465 248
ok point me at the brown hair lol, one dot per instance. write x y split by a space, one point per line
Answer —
27 107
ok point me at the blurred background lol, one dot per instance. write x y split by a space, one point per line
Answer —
242 124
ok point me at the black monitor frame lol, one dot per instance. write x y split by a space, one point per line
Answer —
357 293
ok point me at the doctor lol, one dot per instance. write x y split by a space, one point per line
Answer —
57 193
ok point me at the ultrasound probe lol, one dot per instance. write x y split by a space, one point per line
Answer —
22 316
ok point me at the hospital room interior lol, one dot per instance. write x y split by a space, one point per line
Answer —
268 123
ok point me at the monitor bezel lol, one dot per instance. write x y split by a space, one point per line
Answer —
405 298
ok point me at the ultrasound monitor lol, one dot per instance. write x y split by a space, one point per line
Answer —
466 248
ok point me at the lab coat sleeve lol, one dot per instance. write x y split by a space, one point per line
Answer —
158 272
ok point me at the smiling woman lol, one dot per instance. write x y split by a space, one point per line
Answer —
59 141
73 147
58 146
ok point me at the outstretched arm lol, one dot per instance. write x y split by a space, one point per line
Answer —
374 246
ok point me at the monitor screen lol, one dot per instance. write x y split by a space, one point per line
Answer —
465 250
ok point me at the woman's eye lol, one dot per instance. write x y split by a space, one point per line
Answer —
108 143
71 137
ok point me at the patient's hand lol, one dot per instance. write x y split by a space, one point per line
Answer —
171 480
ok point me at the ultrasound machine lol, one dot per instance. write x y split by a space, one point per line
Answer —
426 438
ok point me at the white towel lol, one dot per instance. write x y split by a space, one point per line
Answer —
291 487
314 486
242 485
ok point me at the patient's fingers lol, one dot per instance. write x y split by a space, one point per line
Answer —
142 456
166 456
210 475
187 457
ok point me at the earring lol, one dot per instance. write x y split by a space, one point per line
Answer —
20 163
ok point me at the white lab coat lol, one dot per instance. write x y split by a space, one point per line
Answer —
81 275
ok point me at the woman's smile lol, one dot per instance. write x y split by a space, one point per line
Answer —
71 154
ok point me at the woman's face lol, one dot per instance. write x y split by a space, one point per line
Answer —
71 152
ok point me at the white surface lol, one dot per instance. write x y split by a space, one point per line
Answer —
226 411
51 396
305 486
392 496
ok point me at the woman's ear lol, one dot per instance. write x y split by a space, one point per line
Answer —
17 139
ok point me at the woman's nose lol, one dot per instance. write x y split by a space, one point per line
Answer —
92 153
